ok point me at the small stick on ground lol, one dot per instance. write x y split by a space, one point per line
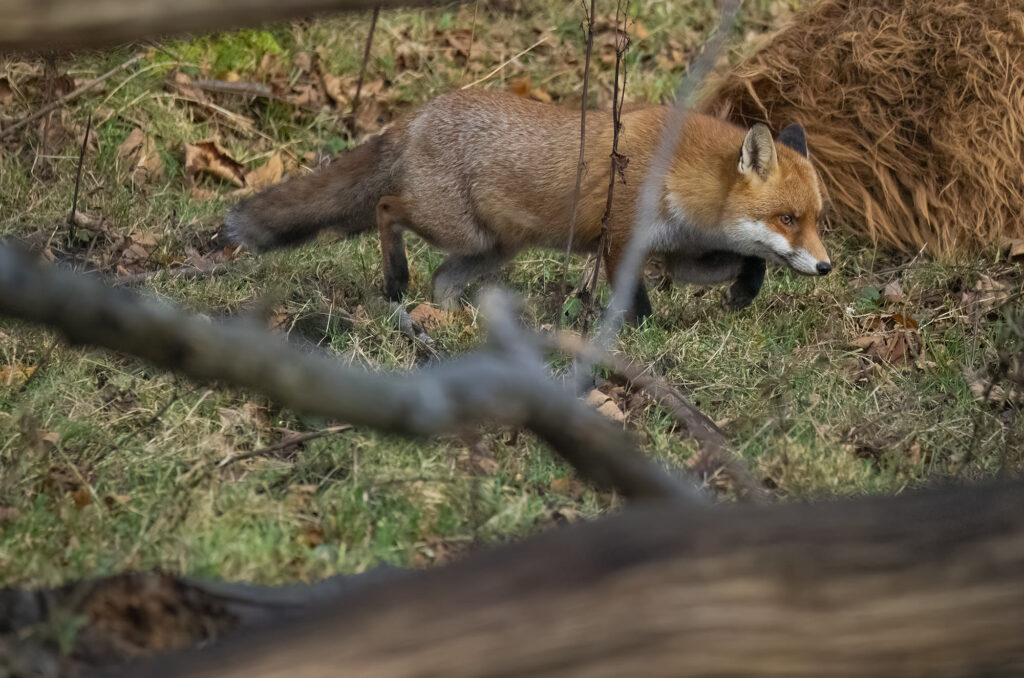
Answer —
472 39
366 59
190 273
70 96
505 63
50 74
239 87
715 455
589 15
78 174
285 443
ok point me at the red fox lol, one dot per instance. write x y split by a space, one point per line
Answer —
484 175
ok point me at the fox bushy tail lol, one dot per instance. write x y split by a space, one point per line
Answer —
341 196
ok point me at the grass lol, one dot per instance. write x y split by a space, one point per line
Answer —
107 464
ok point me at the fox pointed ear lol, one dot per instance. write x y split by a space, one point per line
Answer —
757 156
793 136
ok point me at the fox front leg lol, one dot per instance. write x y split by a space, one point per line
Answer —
747 285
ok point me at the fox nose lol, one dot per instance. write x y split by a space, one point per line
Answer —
824 267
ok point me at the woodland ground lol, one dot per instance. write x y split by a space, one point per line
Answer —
860 382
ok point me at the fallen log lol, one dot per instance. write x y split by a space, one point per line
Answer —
926 584
72 24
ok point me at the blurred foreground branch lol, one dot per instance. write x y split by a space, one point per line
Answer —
925 584
506 383
66 24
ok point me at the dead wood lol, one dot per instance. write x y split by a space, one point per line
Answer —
505 384
71 24
926 584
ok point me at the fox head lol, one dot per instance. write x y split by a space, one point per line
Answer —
775 207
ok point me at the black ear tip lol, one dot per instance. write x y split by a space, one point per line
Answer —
793 136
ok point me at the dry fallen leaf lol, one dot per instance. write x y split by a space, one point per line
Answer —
430 318
132 143
408 56
303 61
371 116
248 417
6 92
335 88
16 374
605 405
893 293
210 157
987 294
460 43
267 174
988 393
114 500
673 56
82 497
138 250
1017 250
312 536
520 86
8 513
541 95
892 339
142 152
568 486
181 84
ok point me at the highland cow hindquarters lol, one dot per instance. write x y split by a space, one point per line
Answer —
913 111
342 196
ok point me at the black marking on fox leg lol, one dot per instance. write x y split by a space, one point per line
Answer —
747 285
396 280
641 304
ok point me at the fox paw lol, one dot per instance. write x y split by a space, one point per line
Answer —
737 298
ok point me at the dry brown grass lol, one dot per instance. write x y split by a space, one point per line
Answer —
915 112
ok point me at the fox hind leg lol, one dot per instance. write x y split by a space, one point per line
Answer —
458 271
390 217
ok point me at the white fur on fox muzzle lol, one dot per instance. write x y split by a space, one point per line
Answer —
803 262
755 238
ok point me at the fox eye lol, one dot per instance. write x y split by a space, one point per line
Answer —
787 220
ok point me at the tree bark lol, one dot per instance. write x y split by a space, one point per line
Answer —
929 584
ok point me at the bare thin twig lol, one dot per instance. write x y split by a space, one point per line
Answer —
649 206
589 15
78 174
284 444
70 96
472 39
618 162
184 273
366 58
715 454
505 63
502 384
239 87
